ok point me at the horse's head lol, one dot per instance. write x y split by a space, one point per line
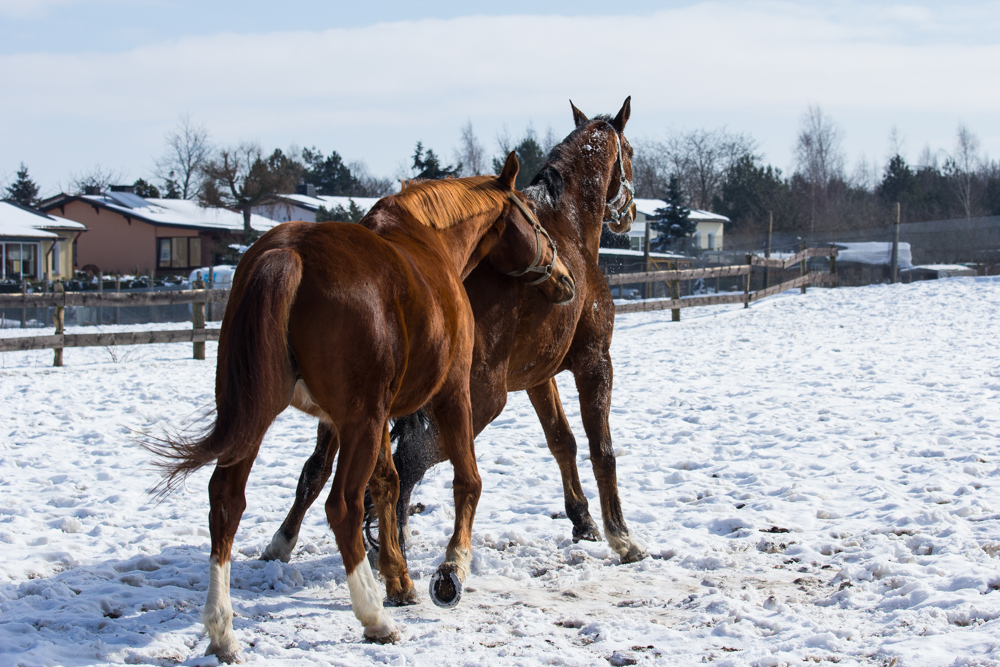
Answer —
619 207
524 248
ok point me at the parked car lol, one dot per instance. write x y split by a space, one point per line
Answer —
222 275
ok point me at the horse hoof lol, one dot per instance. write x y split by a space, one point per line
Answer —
227 656
384 633
406 599
634 554
278 549
446 589
588 532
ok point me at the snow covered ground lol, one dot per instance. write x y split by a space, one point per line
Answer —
816 479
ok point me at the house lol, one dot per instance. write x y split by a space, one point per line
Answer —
132 235
36 246
304 205
934 271
707 236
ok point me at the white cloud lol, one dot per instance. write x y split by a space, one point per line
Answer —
714 61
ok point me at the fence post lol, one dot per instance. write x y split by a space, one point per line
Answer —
675 293
24 309
118 289
802 267
198 319
833 266
746 283
767 251
58 319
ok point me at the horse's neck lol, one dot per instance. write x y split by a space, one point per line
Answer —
582 202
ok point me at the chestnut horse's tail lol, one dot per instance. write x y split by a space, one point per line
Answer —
254 378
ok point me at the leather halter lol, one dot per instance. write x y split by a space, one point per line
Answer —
624 186
535 267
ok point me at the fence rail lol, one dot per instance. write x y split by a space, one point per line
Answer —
196 335
673 278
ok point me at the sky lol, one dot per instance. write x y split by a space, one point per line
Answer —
101 82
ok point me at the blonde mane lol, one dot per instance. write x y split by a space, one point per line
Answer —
443 203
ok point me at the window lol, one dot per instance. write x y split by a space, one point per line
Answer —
19 260
179 252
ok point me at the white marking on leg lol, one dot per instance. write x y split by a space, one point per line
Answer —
218 614
366 601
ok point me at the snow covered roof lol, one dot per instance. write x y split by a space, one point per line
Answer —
648 208
19 222
167 212
329 201
874 252
640 253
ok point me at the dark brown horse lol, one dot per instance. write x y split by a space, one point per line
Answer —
356 324
523 342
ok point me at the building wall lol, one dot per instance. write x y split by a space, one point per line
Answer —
112 244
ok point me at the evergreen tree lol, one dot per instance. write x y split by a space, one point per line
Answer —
530 156
750 190
428 165
144 189
338 213
673 220
329 174
23 190
899 183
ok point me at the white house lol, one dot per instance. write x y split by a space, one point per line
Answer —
34 245
707 236
304 207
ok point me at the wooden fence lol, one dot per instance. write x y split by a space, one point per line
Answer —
674 277
197 334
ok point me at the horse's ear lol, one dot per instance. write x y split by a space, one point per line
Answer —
579 118
509 172
619 122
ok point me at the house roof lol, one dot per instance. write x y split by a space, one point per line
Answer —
328 201
18 221
648 208
165 212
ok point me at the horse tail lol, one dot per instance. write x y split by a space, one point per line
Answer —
254 378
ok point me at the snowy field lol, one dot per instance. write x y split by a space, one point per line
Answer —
816 479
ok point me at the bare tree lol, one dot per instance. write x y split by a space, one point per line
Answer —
98 178
242 177
699 158
961 167
470 153
819 156
188 150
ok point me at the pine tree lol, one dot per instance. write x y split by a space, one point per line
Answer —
144 189
673 220
428 165
23 190
530 156
338 213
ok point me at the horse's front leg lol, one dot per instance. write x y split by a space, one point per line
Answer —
594 381
315 473
453 413
226 492
562 444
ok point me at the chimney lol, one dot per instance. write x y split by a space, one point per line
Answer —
91 189
130 189
307 189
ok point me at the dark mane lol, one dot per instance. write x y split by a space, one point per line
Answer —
548 184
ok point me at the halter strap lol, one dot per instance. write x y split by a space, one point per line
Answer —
539 233
623 186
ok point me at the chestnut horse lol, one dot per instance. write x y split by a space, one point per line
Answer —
522 342
356 324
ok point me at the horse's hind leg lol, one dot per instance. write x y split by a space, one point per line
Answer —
226 495
384 488
360 443
417 450
594 385
562 444
315 473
